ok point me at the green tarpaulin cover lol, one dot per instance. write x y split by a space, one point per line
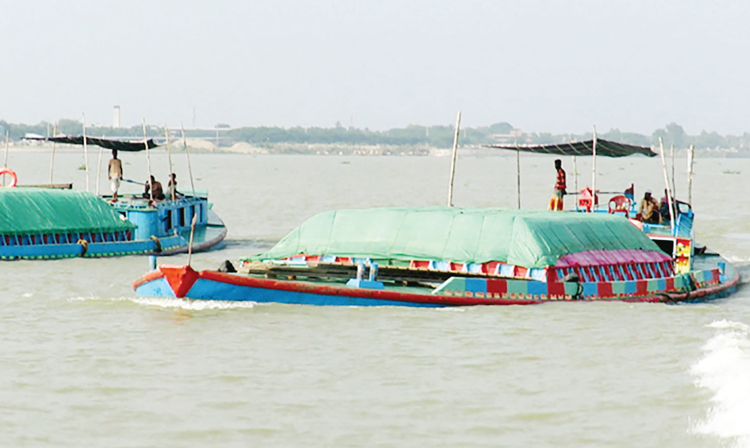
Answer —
37 211
532 239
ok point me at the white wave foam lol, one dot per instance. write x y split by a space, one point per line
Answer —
729 325
185 304
193 305
725 371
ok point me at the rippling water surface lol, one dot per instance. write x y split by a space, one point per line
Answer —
86 362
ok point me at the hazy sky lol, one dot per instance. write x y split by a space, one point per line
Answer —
558 66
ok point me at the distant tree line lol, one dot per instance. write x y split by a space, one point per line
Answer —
439 136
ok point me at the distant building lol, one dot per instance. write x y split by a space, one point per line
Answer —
116 117
514 136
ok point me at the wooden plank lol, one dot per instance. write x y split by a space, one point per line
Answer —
340 271
56 186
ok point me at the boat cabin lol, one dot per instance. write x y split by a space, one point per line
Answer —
163 218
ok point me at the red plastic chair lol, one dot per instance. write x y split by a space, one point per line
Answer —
619 203
586 200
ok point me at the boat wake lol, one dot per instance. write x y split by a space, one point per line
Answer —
185 304
725 371
193 305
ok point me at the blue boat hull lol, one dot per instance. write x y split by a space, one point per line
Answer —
184 282
212 290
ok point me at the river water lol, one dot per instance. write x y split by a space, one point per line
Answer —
84 362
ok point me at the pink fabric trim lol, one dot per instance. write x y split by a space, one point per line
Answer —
605 257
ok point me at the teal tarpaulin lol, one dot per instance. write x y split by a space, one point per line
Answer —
528 238
38 211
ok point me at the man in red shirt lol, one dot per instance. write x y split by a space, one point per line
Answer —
556 202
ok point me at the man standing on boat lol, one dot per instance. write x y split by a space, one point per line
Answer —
556 202
115 174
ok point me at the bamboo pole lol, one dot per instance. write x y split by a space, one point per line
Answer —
52 159
98 170
674 188
169 155
666 183
85 153
691 159
148 162
7 144
593 173
192 233
453 160
575 172
518 174
187 154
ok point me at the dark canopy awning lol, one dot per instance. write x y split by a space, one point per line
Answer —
604 148
104 143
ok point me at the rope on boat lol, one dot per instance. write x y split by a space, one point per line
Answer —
85 245
158 243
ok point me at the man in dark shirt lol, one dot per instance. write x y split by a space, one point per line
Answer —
157 193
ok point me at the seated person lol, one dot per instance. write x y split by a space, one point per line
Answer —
664 209
648 211
630 193
172 187
158 193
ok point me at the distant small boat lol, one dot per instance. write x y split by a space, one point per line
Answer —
445 256
44 222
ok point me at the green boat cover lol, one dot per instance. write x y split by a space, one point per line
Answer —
532 239
39 211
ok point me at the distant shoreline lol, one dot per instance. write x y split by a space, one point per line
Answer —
198 146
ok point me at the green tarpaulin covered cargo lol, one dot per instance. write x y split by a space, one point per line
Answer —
532 239
40 211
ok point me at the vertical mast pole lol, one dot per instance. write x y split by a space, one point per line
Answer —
453 160
674 188
148 162
691 159
85 152
7 143
518 175
98 171
52 159
192 233
666 183
593 172
169 155
187 154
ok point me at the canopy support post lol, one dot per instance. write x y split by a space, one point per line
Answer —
169 155
666 183
187 154
674 188
7 143
518 175
691 159
148 162
575 172
453 160
98 171
85 152
52 159
593 172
